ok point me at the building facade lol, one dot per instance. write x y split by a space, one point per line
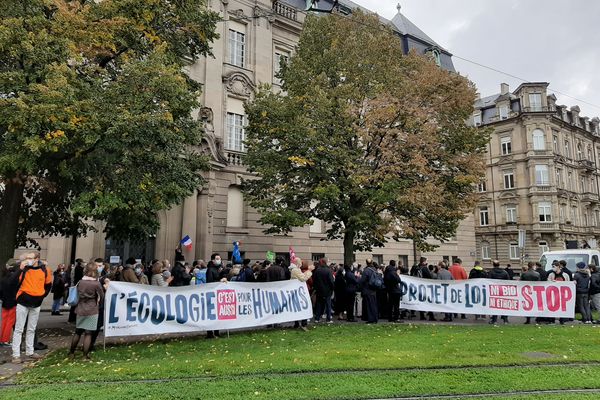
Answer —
254 36
541 176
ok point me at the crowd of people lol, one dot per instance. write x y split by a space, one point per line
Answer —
344 291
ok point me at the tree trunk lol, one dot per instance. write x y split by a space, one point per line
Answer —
12 201
349 247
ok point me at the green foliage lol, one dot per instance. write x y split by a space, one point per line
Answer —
363 137
95 110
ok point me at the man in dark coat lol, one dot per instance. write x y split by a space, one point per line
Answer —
498 273
424 272
212 276
530 275
276 272
323 285
391 279
369 293
351 289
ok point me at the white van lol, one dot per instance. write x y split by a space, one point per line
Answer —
572 257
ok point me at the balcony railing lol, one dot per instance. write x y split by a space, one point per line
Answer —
587 164
234 157
540 109
285 11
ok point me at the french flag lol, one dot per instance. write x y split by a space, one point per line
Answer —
187 242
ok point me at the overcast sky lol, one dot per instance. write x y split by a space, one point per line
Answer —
556 41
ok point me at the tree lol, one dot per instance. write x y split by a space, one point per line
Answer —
96 114
370 140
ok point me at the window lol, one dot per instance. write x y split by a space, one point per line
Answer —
280 57
570 180
511 214
236 48
567 149
555 142
317 225
485 250
403 260
583 184
509 180
505 145
235 132
579 152
477 119
484 217
482 187
378 258
562 210
589 154
317 256
535 101
235 207
503 111
543 246
539 141
513 251
597 213
559 177
541 175
545 212
574 215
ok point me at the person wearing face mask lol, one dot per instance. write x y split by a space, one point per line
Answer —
139 273
558 275
34 281
212 275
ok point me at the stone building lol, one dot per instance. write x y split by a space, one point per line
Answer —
254 37
541 175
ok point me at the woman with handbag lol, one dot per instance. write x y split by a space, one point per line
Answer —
90 295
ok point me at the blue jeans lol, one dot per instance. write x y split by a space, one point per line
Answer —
323 304
56 305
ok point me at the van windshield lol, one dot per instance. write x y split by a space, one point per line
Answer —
571 259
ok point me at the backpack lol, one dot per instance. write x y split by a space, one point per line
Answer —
376 281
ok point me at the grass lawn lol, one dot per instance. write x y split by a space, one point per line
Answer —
339 361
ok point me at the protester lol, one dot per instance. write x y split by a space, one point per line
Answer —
595 288
323 285
350 295
180 275
128 273
140 275
90 296
423 272
444 274
391 280
582 292
212 276
276 272
157 278
75 276
498 273
59 286
339 292
303 276
370 281
35 281
8 296
529 274
558 274
458 273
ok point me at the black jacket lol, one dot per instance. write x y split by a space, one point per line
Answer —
9 286
582 283
180 276
543 274
391 280
212 273
530 275
477 274
351 281
323 282
498 273
595 283
275 273
424 272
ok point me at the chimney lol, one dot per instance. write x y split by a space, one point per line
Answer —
504 88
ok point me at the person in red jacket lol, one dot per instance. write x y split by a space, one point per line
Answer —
458 274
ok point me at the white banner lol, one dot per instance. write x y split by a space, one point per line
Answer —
133 309
489 297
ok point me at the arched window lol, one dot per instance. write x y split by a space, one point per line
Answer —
539 141
235 207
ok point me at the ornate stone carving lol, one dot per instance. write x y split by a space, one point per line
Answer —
239 85
211 143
